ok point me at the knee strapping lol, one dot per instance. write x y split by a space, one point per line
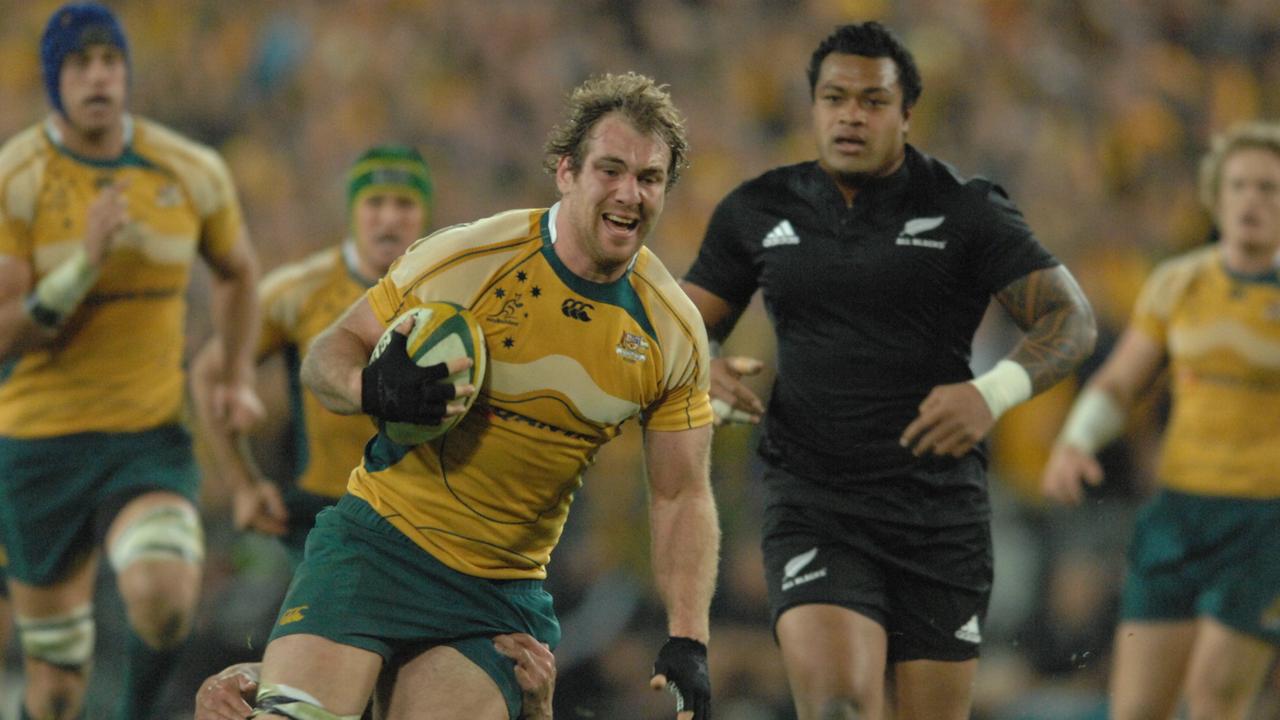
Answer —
163 533
65 641
292 703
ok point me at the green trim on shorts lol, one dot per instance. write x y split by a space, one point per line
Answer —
365 584
52 488
1201 555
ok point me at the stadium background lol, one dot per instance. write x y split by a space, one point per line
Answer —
1092 113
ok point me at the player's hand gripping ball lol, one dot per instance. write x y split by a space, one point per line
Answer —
409 403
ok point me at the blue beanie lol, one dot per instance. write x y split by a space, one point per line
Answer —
72 28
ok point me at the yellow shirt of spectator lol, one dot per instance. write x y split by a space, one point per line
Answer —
569 361
116 366
299 301
1222 335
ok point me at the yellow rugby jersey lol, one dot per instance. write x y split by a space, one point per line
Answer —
299 301
1222 334
569 361
116 366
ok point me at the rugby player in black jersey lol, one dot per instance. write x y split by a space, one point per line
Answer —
876 263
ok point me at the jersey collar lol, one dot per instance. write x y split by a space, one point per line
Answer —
352 262
128 158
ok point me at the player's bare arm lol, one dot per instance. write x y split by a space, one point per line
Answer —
236 323
334 367
731 399
1057 322
1098 416
685 535
256 501
1059 333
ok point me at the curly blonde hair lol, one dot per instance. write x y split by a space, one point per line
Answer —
1261 135
644 103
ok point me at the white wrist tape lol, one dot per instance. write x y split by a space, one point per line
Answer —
1095 420
727 413
1003 386
66 285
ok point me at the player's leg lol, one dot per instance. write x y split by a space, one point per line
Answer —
1238 630
156 547
311 676
56 633
835 662
446 685
1150 660
940 585
6 612
1157 608
46 527
934 689
1226 671
829 606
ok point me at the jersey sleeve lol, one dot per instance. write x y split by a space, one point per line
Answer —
15 241
221 219
277 318
724 266
686 401
1008 250
1159 295
17 203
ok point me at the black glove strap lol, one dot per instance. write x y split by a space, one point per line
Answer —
394 388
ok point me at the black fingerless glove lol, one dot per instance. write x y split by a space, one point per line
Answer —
684 663
394 388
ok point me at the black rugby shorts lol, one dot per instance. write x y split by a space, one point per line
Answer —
928 587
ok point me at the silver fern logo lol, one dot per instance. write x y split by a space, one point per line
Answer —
915 227
791 576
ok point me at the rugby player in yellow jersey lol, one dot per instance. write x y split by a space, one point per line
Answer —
437 548
389 202
102 214
1200 611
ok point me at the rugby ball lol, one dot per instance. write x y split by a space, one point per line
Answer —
441 331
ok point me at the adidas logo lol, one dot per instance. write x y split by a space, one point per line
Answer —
969 632
791 576
914 227
781 234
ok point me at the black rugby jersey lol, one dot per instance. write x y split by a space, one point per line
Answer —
873 305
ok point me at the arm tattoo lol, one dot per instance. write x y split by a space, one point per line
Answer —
1057 322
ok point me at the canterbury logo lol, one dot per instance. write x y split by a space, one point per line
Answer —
292 615
576 309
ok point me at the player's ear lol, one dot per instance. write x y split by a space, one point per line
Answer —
565 173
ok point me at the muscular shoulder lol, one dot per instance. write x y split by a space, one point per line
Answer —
22 161
459 254
779 183
653 277
1172 278
197 166
293 283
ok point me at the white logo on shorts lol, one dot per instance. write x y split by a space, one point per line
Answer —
969 632
791 571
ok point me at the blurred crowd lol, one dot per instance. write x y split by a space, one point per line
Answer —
1091 113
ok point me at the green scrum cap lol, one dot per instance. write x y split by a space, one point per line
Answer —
383 168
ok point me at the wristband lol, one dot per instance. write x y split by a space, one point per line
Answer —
57 294
1095 420
1003 386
